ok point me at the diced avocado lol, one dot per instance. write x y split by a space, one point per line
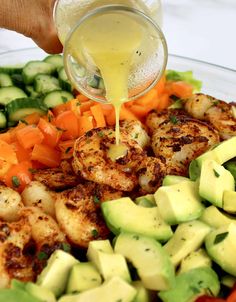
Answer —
215 218
40 292
228 281
149 258
102 246
195 259
180 202
187 238
231 167
124 215
55 275
108 264
214 180
113 290
13 295
192 284
147 201
83 276
16 284
229 201
221 247
169 180
143 295
220 153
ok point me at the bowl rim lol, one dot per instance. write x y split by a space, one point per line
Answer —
169 55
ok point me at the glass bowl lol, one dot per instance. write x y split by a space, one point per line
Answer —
217 81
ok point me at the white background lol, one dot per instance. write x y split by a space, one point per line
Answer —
200 29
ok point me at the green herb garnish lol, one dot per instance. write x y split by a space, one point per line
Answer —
94 233
96 199
42 256
15 181
216 173
68 150
174 119
220 237
100 134
66 247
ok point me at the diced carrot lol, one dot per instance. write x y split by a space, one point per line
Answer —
68 122
29 136
181 89
85 124
86 106
7 153
129 104
59 109
21 153
98 115
14 130
74 105
107 109
205 298
66 148
51 134
32 119
146 99
49 117
232 296
46 155
164 102
88 113
126 114
37 165
6 137
82 98
139 111
18 176
160 86
111 118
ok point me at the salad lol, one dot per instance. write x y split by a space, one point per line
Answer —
80 223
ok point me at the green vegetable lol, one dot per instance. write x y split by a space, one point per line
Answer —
13 295
186 76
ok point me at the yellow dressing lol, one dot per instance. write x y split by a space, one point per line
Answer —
110 41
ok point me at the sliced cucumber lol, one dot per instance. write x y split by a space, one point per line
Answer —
5 80
31 92
54 98
20 108
63 80
44 83
3 120
11 69
18 80
33 68
8 94
55 60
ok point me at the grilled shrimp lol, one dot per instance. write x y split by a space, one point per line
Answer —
38 195
56 179
21 243
179 139
219 113
10 204
78 212
92 160
135 131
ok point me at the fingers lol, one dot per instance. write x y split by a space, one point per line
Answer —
50 43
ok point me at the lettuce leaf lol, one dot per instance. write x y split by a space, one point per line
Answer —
186 76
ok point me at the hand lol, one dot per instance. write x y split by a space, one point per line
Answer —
32 18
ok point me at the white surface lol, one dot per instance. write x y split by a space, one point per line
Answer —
200 29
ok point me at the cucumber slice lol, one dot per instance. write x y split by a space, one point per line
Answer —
20 108
44 83
3 120
63 80
5 80
55 60
31 92
18 80
54 98
11 69
8 94
33 68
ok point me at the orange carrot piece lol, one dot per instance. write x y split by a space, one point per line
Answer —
126 114
6 137
14 130
7 153
107 109
82 98
85 124
164 102
51 134
46 155
59 109
66 148
98 115
146 99
181 89
111 117
74 105
160 86
86 106
29 136
139 111
32 119
88 113
18 176
21 153
68 122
